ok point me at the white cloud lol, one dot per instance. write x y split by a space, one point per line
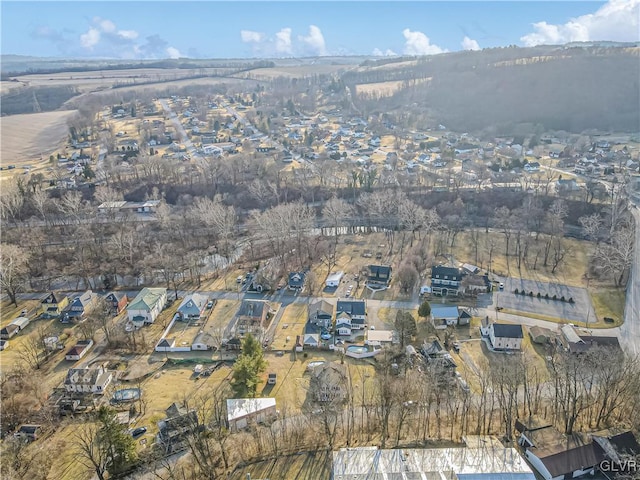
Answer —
107 26
617 20
386 53
248 36
469 44
314 41
283 41
128 34
91 38
173 52
417 43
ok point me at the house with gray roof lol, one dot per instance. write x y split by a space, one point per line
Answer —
192 307
502 336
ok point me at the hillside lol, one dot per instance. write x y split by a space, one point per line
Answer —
559 88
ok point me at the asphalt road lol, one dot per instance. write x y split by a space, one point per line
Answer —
630 329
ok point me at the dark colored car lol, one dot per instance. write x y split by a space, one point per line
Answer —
139 432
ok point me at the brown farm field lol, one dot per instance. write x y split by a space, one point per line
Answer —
24 138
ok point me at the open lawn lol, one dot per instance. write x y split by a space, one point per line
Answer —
25 138
571 272
291 324
302 466
222 312
608 303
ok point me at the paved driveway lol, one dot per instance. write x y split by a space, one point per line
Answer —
580 311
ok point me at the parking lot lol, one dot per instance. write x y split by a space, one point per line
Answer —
580 311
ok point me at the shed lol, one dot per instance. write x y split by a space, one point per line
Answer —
243 411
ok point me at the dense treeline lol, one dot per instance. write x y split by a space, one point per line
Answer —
564 89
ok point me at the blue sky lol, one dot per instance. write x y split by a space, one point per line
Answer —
242 29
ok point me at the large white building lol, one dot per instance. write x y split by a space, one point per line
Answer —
490 462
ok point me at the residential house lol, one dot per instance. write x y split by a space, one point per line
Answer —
28 433
379 275
572 341
328 383
464 318
79 306
532 167
252 316
146 306
540 335
242 412
79 350
343 324
296 281
356 310
443 316
14 328
502 336
311 339
556 456
192 307
165 345
333 280
180 423
88 380
621 451
52 304
117 301
445 280
321 313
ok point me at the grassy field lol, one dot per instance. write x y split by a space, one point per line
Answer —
384 89
608 303
571 272
294 317
302 466
25 138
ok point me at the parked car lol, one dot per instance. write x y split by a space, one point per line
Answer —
501 286
609 320
325 336
138 432
239 279
210 304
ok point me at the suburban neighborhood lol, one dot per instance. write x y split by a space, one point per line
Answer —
275 275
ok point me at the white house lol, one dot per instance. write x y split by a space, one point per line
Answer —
343 324
145 308
444 316
333 280
203 341
87 380
355 309
243 411
502 336
311 339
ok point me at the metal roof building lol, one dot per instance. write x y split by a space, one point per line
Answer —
493 462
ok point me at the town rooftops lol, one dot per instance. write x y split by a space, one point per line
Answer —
572 454
506 330
321 307
335 277
241 407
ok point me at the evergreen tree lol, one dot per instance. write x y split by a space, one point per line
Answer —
248 367
425 309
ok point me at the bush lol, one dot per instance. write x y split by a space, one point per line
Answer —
555 297
531 294
546 295
571 300
538 295
562 299
305 355
516 291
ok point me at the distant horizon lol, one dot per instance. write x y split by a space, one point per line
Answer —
145 30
